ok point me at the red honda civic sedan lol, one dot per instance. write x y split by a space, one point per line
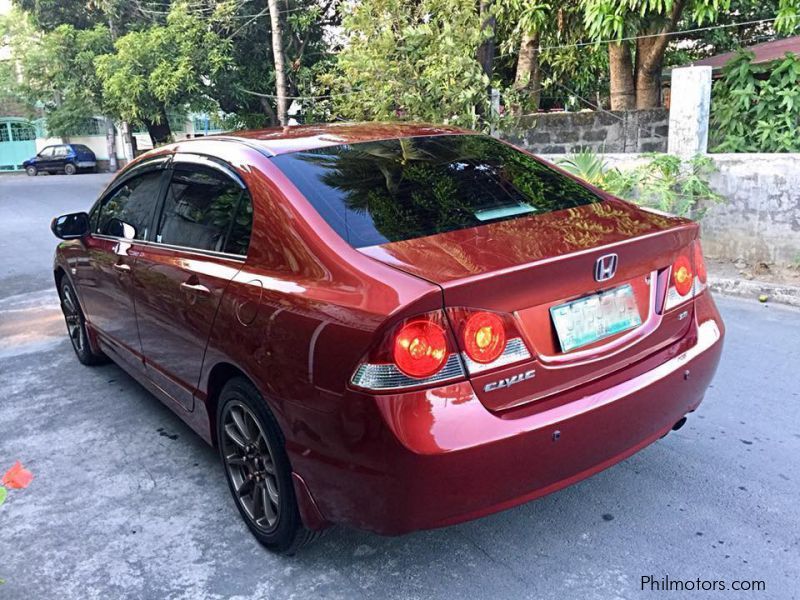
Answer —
393 327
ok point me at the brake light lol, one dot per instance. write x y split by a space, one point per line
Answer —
700 263
687 277
484 337
420 348
682 276
488 340
417 351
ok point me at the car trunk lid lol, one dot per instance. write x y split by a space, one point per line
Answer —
529 265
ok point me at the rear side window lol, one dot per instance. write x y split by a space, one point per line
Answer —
399 189
206 210
134 203
81 148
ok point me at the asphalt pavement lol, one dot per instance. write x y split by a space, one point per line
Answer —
128 503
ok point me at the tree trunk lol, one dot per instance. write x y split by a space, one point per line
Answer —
111 146
268 110
528 77
650 60
648 74
160 132
620 64
486 49
280 61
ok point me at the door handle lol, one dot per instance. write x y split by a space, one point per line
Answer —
122 267
196 288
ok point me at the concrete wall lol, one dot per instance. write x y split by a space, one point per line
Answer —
760 217
631 131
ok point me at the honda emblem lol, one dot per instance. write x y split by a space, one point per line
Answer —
605 268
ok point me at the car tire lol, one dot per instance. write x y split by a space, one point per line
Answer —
70 169
253 454
31 171
76 326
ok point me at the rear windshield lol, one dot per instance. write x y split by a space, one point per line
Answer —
399 189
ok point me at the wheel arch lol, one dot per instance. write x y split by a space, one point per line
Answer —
220 374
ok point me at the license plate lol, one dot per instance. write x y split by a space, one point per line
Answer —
587 320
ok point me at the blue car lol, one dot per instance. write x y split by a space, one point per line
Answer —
66 158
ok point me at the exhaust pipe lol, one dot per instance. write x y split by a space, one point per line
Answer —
681 422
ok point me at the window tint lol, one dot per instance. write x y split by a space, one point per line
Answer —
133 203
199 211
392 190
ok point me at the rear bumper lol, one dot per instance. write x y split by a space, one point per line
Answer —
448 459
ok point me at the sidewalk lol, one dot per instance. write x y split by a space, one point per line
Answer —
758 282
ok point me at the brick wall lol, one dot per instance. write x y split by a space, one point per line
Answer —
622 131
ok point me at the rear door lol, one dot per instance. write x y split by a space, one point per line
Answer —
198 245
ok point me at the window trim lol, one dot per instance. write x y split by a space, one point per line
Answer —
152 166
211 162
158 163
165 164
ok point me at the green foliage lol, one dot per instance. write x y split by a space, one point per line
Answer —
664 182
756 108
59 75
410 60
587 165
163 66
3 494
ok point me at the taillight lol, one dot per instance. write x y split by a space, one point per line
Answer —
488 340
700 263
484 337
682 276
420 348
687 277
417 351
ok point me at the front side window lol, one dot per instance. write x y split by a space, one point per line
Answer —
205 209
372 193
133 204
47 152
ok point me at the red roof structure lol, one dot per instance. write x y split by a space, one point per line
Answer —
765 53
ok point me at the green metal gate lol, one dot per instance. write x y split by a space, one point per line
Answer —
17 143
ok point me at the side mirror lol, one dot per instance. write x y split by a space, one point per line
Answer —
70 227
121 229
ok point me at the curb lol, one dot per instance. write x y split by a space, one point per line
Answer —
744 288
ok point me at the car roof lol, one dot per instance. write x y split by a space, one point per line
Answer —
281 140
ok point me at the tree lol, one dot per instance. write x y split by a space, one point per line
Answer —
635 64
162 67
410 60
57 74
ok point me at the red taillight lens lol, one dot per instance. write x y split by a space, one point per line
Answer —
682 276
699 263
420 348
484 337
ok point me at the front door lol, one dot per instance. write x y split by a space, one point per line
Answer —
120 222
180 276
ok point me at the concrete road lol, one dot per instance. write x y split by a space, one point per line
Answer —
128 503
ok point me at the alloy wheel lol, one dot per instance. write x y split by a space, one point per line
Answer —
72 315
250 466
